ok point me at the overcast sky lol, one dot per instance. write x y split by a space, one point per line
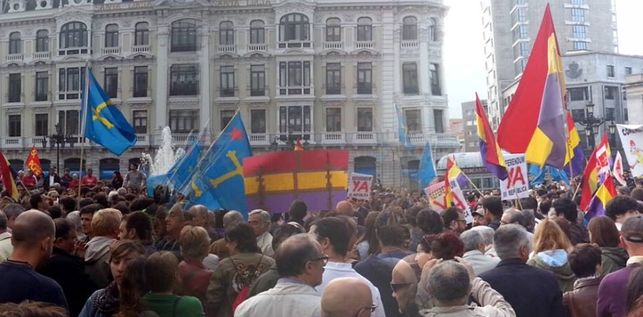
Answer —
463 56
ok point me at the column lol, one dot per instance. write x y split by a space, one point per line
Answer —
204 78
162 88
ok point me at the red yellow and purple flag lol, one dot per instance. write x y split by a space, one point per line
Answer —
596 171
8 178
604 194
492 157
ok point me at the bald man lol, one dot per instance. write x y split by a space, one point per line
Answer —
404 284
33 240
347 296
345 208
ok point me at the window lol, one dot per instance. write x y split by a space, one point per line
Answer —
111 82
42 124
226 84
610 71
333 119
184 36
364 29
140 81
226 33
184 121
42 41
413 120
628 70
580 45
409 29
71 82
42 86
434 74
14 125
611 92
257 121
578 114
15 43
111 35
141 34
140 121
578 15
609 113
433 29
294 78
333 30
333 78
73 35
364 78
578 93
184 80
438 120
294 27
15 87
257 32
257 80
521 32
226 116
578 2
365 119
294 119
579 31
410 78
68 121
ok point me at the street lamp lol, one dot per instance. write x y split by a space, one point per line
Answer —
59 139
592 124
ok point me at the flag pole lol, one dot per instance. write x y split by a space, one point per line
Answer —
472 184
83 123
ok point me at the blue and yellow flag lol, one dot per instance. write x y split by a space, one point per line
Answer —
403 131
427 172
218 180
104 123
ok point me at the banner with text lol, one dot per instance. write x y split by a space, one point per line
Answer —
517 184
436 194
360 186
632 141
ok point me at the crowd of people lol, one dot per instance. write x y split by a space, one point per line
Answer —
109 250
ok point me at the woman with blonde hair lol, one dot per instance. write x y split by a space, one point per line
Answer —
550 252
194 242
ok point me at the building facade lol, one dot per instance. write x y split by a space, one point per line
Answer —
511 26
634 95
328 72
456 127
470 128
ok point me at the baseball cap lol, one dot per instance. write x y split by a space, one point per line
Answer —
632 229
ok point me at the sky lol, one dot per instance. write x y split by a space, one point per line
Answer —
463 55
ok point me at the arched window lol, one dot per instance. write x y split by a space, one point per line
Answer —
294 27
141 34
409 28
333 30
257 32
433 29
111 35
73 34
226 33
15 43
42 41
184 36
365 29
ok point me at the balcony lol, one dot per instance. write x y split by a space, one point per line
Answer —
73 51
333 45
13 143
296 44
15 58
410 44
228 48
257 47
333 138
363 138
141 49
365 45
259 139
111 50
295 90
41 55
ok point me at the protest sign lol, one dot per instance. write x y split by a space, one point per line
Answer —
359 186
435 194
517 183
632 140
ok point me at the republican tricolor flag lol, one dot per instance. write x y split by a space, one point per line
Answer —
596 171
575 158
604 194
454 180
8 178
489 149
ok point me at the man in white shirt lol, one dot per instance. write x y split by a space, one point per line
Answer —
259 220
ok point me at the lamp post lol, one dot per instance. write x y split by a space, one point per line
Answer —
592 123
59 139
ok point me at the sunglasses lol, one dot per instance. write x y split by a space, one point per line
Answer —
399 286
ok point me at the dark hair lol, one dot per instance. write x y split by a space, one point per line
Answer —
446 245
283 232
160 271
451 214
604 232
68 203
584 259
529 203
411 215
120 248
494 205
336 231
297 211
567 207
370 233
85 202
122 207
245 238
393 235
141 223
101 199
132 289
544 207
90 209
63 227
140 204
634 288
429 221
35 200
620 205
54 212
637 193
291 260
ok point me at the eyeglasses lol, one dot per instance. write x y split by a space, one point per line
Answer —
397 287
372 308
324 259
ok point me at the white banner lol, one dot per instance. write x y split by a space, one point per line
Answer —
632 141
435 193
517 184
359 186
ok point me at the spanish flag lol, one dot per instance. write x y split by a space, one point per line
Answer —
33 162
489 149
534 123
8 178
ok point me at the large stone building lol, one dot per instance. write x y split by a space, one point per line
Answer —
471 139
326 71
511 26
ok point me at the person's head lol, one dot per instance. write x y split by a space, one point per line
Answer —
194 242
199 215
86 215
621 207
404 285
37 202
133 287
429 221
90 172
347 297
161 271
231 219
285 231
512 242
411 215
446 245
635 292
241 239
492 206
301 257
566 208
33 235
448 283
472 240
333 234
67 203
101 199
453 219
632 235
106 223
585 260
510 216
393 236
345 208
123 252
3 222
637 194
136 226
297 211
29 308
603 232
12 211
65 238
549 236
487 234
259 220
175 220
529 203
